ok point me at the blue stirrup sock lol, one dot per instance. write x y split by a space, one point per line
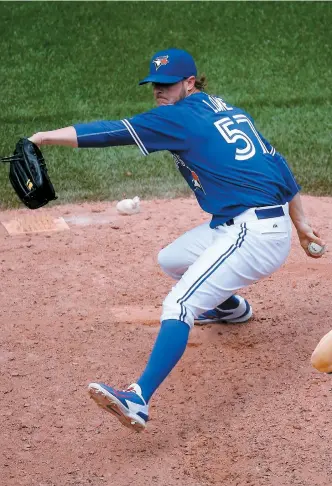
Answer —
170 345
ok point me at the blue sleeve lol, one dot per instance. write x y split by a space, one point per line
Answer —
288 174
159 129
102 134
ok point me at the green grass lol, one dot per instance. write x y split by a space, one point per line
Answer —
68 62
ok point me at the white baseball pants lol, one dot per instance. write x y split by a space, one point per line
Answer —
210 265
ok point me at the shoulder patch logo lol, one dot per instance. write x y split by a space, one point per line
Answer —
160 61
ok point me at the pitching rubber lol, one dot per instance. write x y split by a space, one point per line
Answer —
114 406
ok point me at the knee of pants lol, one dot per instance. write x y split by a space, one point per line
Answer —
181 311
168 264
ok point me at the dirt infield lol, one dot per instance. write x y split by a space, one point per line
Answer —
243 407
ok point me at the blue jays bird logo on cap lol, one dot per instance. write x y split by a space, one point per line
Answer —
178 65
160 61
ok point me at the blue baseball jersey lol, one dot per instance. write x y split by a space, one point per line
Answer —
227 163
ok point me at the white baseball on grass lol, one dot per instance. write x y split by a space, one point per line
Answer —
129 206
315 249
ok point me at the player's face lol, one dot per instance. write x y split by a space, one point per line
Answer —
168 94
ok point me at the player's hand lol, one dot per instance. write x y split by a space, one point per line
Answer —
307 235
37 138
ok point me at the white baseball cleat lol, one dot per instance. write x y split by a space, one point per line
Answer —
128 406
235 309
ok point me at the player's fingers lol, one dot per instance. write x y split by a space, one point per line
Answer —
315 251
315 237
312 256
305 248
318 238
36 139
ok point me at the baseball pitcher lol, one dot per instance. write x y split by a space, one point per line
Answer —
238 178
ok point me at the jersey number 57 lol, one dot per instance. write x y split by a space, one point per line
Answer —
228 128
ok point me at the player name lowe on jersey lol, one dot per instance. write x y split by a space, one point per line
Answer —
224 159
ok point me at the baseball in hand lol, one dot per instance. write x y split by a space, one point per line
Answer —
315 249
129 206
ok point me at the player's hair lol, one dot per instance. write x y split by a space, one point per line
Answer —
201 82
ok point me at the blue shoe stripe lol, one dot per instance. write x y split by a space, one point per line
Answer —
122 396
211 269
214 314
143 416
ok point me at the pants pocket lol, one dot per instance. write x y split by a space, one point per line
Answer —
274 227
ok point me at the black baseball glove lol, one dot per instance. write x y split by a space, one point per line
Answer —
28 175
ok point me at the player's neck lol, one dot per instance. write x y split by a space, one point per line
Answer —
193 91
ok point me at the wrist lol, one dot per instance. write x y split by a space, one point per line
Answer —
301 223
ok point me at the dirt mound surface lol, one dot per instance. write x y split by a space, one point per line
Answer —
243 407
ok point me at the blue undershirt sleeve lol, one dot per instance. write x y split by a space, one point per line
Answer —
158 129
102 133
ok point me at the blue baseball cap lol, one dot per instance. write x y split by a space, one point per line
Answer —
170 66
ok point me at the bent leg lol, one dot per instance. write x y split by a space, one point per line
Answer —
237 258
176 258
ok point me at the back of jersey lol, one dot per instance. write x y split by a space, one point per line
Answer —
219 152
234 166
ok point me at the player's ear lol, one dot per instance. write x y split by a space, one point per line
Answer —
191 82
